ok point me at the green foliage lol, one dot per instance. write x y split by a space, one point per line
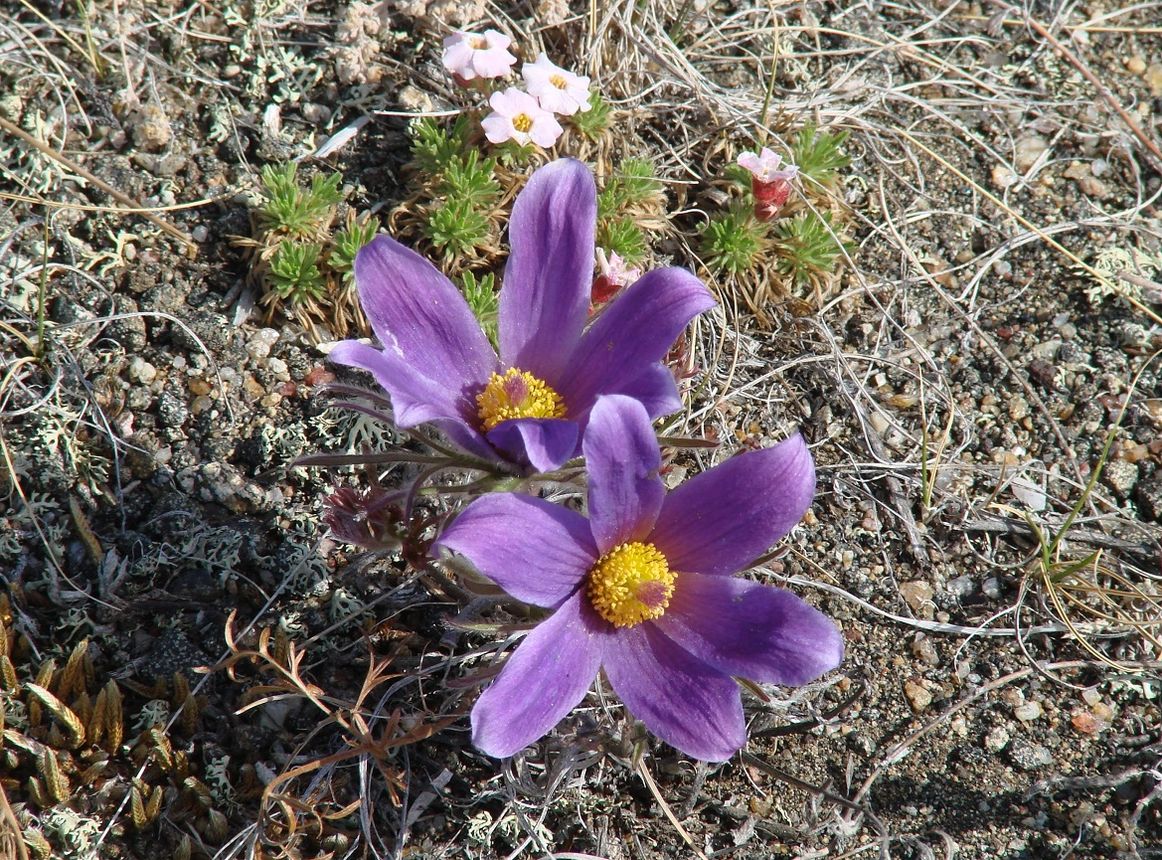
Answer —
469 178
291 208
818 153
294 272
739 175
482 298
733 242
806 245
357 233
595 121
623 236
513 154
435 146
633 183
457 229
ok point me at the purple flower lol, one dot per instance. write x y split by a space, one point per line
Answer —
529 406
643 589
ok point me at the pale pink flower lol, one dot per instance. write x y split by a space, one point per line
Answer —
517 116
767 166
472 55
556 89
613 273
770 181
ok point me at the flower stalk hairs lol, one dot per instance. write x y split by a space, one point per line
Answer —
526 408
643 590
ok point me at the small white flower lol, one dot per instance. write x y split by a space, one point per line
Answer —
472 55
517 116
556 89
767 166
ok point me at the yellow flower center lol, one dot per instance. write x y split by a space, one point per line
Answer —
522 122
558 81
630 584
478 43
517 394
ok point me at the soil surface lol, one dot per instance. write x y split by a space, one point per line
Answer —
245 685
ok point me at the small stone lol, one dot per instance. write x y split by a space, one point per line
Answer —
200 386
918 595
925 651
1086 722
278 367
150 127
1153 78
1120 476
1028 712
1028 150
991 588
1004 178
961 587
261 342
1090 696
1148 495
141 370
918 696
996 740
1029 756
1135 65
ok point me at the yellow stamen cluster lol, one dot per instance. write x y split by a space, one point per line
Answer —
630 584
558 81
522 122
517 394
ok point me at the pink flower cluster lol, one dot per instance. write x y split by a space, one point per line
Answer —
770 181
520 115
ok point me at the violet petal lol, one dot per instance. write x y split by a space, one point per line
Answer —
543 443
420 317
536 551
544 679
723 519
544 301
635 331
750 630
656 390
414 397
686 703
622 457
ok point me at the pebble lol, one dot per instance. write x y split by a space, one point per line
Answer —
141 370
918 595
1153 77
1090 696
1028 150
1120 476
1029 756
997 739
961 587
925 651
1135 65
200 233
918 696
261 342
278 367
991 587
1028 712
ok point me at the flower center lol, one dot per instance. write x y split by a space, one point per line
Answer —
522 122
517 394
630 584
558 81
478 43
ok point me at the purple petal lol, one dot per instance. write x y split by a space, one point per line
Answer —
754 631
420 317
544 301
543 443
621 454
536 551
723 519
542 681
414 397
635 331
689 705
655 389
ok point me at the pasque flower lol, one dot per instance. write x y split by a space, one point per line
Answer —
529 405
643 589
477 55
516 115
770 181
558 90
